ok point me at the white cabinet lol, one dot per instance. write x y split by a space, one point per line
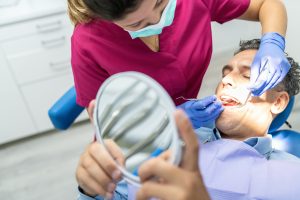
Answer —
40 63
41 95
35 71
14 115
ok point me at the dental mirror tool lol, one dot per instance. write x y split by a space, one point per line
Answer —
136 113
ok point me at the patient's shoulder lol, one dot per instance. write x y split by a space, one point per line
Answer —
282 155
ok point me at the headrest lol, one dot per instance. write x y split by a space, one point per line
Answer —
282 117
287 140
65 110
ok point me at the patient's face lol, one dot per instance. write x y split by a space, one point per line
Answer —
254 118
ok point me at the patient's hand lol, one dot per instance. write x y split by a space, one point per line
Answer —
90 110
97 172
184 182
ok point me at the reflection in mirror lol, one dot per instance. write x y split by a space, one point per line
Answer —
136 112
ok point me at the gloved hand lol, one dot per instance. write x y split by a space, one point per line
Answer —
202 112
271 62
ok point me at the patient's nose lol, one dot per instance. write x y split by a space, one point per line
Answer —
228 81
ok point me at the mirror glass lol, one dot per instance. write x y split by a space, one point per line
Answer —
135 111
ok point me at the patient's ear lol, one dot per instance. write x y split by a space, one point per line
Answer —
280 103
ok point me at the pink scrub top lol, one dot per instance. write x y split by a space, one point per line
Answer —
101 49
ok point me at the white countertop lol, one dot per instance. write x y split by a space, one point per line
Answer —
13 11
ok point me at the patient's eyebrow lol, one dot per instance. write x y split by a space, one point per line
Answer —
226 67
245 68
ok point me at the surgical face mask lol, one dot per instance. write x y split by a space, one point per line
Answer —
166 19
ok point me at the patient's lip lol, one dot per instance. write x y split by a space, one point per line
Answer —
229 100
239 93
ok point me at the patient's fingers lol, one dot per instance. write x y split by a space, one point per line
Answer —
159 191
88 183
105 160
93 178
165 155
191 150
96 172
115 151
157 167
90 110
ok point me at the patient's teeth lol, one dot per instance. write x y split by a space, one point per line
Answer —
229 99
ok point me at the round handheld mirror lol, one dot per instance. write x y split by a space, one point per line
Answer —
136 113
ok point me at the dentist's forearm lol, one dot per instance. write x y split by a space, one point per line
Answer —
273 17
271 14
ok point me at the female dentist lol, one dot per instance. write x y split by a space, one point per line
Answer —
171 41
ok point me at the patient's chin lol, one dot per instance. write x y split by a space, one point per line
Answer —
227 128
227 121
222 123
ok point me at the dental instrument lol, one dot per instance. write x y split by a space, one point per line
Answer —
138 118
141 145
114 116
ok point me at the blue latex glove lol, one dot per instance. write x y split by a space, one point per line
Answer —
202 112
270 64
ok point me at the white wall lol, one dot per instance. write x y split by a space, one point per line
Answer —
226 38
293 33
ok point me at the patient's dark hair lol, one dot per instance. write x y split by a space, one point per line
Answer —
291 82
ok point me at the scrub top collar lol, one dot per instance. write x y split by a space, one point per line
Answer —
263 145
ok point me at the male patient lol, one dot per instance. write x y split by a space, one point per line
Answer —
250 121
226 172
246 125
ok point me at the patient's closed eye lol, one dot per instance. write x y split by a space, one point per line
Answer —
245 71
247 76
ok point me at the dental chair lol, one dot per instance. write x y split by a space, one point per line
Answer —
286 140
65 110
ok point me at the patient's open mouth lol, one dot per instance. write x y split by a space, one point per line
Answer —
229 101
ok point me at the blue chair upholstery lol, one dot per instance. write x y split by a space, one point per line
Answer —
285 140
288 141
64 112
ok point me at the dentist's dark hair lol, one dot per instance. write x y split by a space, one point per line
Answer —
83 11
291 82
